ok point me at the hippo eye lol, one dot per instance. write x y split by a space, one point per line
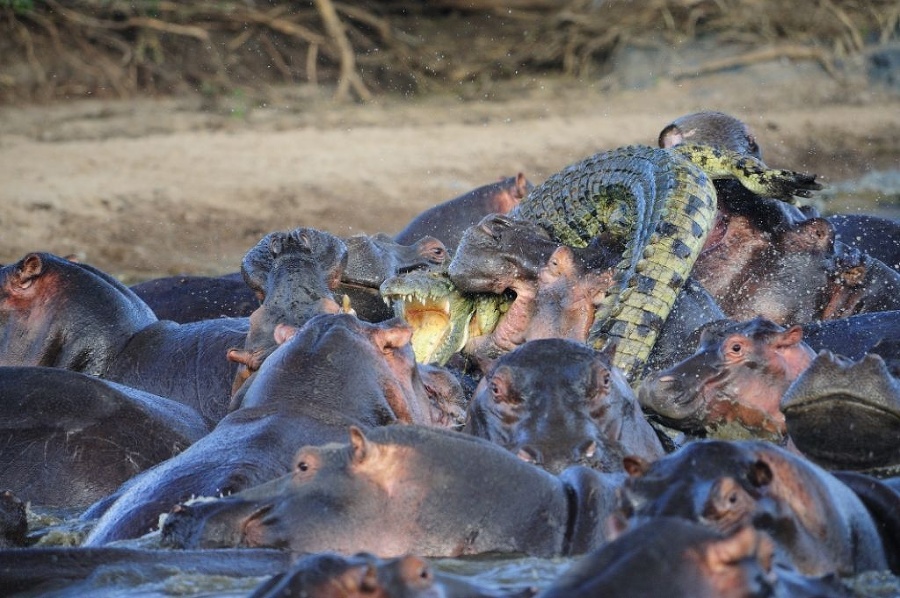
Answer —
303 466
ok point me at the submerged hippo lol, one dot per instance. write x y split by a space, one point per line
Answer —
557 402
330 575
70 439
334 372
682 559
818 524
732 385
58 313
407 490
845 414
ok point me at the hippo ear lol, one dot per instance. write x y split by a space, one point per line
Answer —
522 186
635 466
560 262
790 337
32 267
760 474
392 337
359 444
670 136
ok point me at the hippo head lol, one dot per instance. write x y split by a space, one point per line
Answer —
556 403
369 365
687 558
801 256
294 274
372 259
732 385
59 313
818 524
844 414
499 252
711 128
330 575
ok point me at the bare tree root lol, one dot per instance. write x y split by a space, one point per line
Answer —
350 78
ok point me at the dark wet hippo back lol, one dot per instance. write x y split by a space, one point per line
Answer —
194 298
678 558
70 439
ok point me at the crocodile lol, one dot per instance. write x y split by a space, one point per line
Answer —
660 204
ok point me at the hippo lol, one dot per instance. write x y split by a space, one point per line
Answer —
555 403
295 273
876 236
845 414
747 225
854 336
187 298
802 256
58 313
334 372
731 386
372 259
331 575
556 290
503 253
399 490
818 524
860 284
680 558
70 439
448 220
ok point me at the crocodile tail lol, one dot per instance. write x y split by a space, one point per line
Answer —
629 323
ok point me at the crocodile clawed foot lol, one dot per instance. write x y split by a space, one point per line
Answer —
791 184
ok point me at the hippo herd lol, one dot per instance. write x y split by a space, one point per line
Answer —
340 413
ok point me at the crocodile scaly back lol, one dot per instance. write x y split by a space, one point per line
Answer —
661 204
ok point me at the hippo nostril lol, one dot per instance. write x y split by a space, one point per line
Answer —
529 455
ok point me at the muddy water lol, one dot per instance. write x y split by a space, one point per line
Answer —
501 573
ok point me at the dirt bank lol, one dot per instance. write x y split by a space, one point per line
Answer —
149 188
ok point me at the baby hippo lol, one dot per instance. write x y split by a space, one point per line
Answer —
556 403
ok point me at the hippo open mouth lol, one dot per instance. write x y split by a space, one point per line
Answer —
844 414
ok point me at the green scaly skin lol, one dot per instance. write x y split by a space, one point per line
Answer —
661 203
432 292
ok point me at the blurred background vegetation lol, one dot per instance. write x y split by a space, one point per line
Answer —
53 49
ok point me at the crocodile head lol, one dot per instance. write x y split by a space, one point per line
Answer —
442 317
